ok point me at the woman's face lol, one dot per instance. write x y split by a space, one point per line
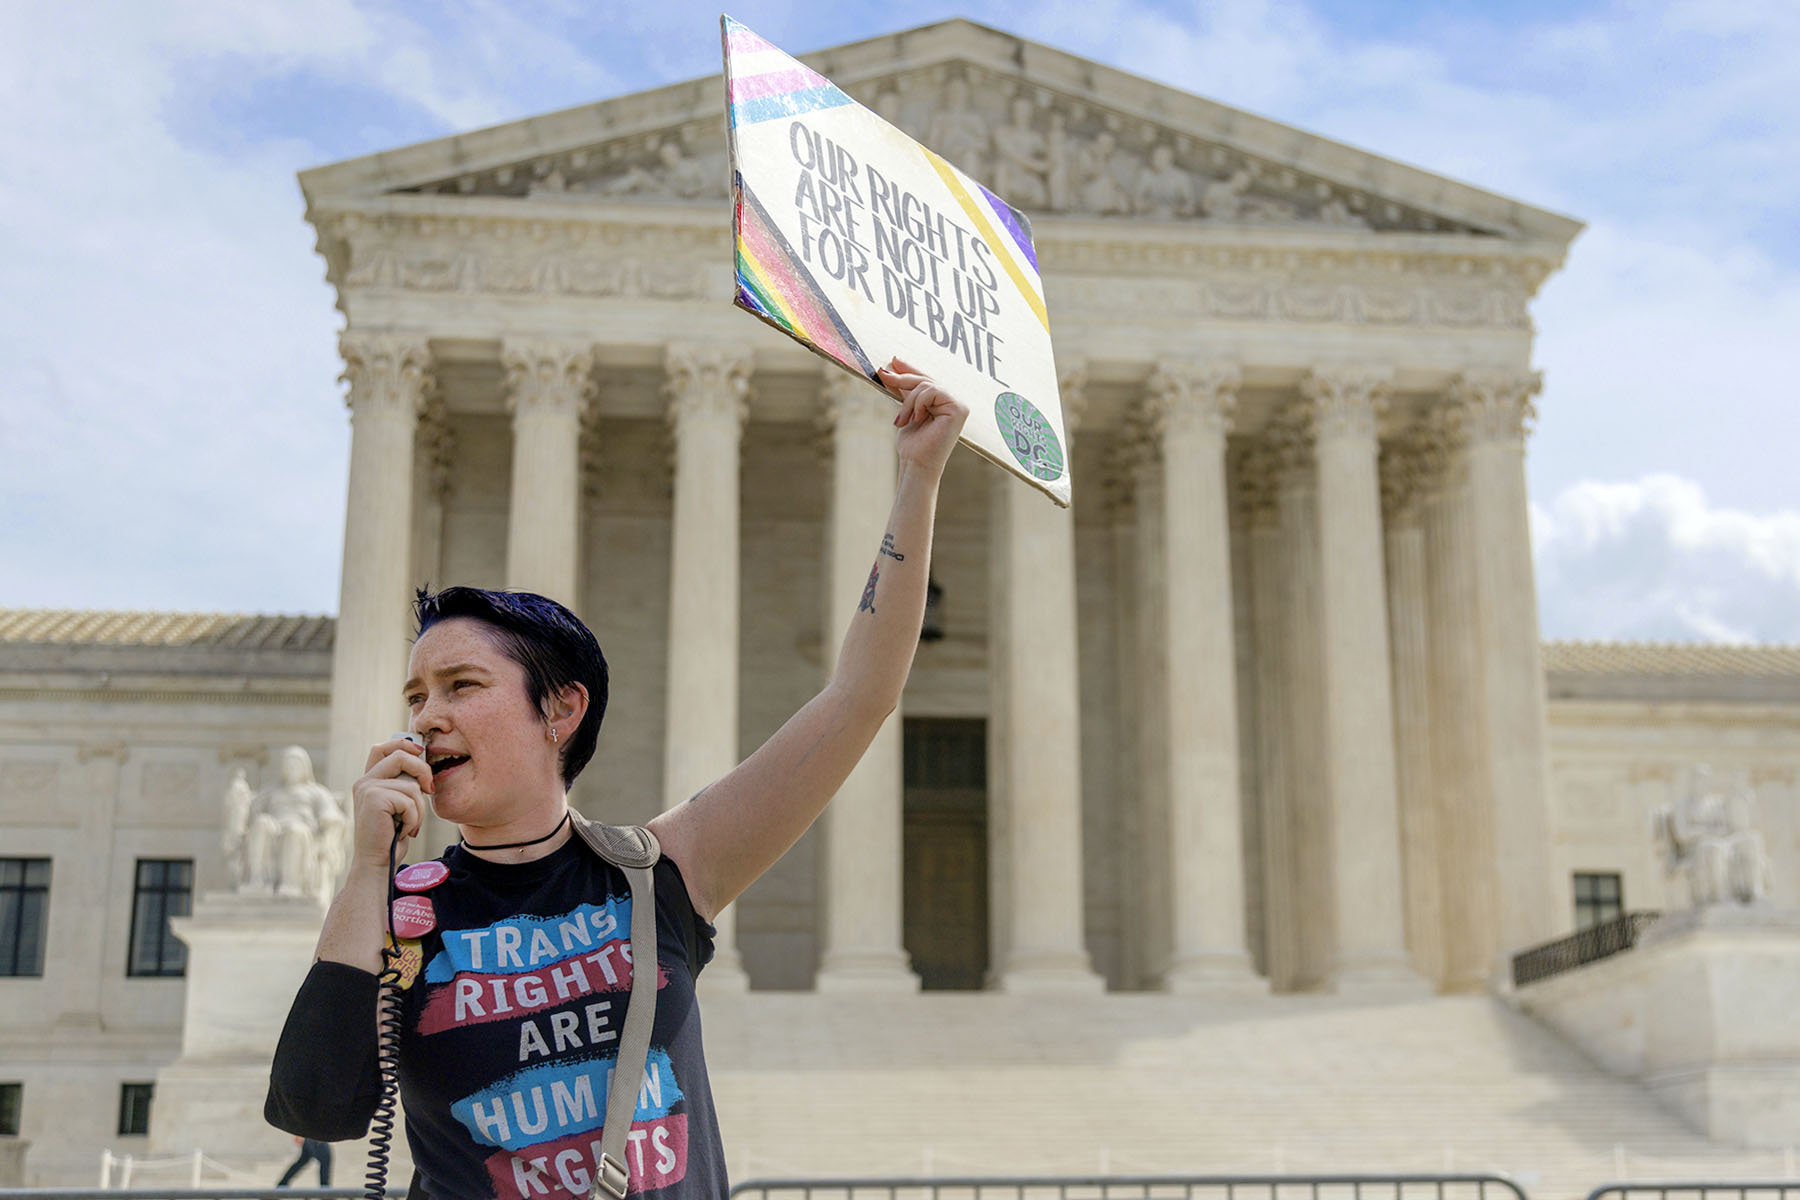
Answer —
492 758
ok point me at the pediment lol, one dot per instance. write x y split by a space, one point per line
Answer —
1052 133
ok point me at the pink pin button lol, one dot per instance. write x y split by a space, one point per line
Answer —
421 877
413 917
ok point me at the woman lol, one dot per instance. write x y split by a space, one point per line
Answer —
513 1002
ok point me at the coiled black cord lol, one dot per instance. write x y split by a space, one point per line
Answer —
387 1046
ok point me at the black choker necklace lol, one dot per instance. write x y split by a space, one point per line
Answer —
515 845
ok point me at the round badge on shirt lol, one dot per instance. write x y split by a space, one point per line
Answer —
421 877
413 917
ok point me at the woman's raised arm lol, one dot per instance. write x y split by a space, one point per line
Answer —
739 826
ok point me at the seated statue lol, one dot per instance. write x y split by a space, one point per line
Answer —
1706 835
290 840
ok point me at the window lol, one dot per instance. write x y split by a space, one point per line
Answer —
24 905
134 1108
10 1094
1598 899
165 888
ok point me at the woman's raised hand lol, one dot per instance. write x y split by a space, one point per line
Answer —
930 418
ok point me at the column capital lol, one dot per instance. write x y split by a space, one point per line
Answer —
1409 465
707 381
1071 386
1289 440
1347 399
1254 472
1186 396
1496 405
847 403
387 372
545 376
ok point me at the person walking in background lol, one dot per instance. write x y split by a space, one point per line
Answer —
314 1152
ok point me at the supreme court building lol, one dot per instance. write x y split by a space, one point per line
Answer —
1266 712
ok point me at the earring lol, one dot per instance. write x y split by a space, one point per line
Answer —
553 733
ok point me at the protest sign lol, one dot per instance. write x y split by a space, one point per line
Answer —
861 244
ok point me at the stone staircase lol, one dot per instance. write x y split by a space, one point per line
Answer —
979 1083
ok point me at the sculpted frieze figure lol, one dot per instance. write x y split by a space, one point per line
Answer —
1021 159
675 174
290 840
1098 163
1705 835
1163 189
959 132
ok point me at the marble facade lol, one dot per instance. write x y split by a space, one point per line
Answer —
1265 711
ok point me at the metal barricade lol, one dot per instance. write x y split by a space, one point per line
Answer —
1699 1189
1138 1187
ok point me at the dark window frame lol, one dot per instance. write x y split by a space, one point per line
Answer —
1599 897
12 1106
170 958
135 1099
30 894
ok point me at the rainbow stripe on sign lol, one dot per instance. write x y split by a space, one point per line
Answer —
775 87
775 285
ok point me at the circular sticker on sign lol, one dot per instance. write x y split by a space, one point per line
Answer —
1029 436
421 877
413 917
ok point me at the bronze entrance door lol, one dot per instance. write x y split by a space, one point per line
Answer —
946 853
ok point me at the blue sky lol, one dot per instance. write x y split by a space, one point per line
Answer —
172 435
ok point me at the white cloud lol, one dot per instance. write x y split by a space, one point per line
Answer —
1655 560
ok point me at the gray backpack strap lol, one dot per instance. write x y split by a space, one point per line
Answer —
633 850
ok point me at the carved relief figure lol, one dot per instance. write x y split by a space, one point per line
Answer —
1223 199
1164 189
959 133
676 174
289 840
1058 180
1705 834
1101 193
1020 160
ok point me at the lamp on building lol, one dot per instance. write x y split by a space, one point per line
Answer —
932 628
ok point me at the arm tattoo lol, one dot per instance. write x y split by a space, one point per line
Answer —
868 597
887 548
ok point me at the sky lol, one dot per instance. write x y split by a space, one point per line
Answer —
173 434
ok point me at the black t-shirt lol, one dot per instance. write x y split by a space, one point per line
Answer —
512 1008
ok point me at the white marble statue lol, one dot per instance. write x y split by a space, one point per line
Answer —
959 132
289 840
1705 834
1021 159
1164 190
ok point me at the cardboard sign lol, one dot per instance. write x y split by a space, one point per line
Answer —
861 244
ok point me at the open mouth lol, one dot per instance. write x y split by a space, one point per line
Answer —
443 763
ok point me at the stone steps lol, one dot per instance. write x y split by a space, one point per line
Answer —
980 1083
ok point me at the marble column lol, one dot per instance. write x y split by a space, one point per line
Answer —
548 386
1497 410
863 828
1192 406
1269 599
1460 778
708 392
1369 930
1122 568
1310 896
1142 461
1035 740
389 376
1408 642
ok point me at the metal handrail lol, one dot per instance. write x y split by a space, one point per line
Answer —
1663 1189
1580 948
1147 1187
